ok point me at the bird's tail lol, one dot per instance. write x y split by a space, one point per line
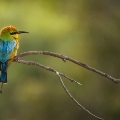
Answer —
3 78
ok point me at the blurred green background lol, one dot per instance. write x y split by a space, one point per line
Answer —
87 30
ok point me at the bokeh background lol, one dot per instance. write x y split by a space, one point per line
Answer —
86 30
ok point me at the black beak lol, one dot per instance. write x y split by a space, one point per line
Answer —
19 32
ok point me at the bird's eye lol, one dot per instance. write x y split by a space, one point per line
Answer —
13 33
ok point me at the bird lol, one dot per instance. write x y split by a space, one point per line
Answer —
9 45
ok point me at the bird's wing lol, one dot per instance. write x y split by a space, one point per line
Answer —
6 48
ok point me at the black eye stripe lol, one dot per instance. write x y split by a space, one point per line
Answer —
12 33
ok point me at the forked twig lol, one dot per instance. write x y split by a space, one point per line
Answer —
46 68
59 74
66 58
70 95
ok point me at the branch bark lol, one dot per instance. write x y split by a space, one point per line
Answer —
60 75
66 58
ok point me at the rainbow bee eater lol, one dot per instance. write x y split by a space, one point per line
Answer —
9 45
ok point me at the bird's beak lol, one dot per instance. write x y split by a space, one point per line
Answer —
19 32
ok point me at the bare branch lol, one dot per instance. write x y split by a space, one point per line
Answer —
65 58
46 68
69 94
59 75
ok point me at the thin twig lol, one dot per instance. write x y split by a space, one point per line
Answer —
46 68
69 94
65 58
59 75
